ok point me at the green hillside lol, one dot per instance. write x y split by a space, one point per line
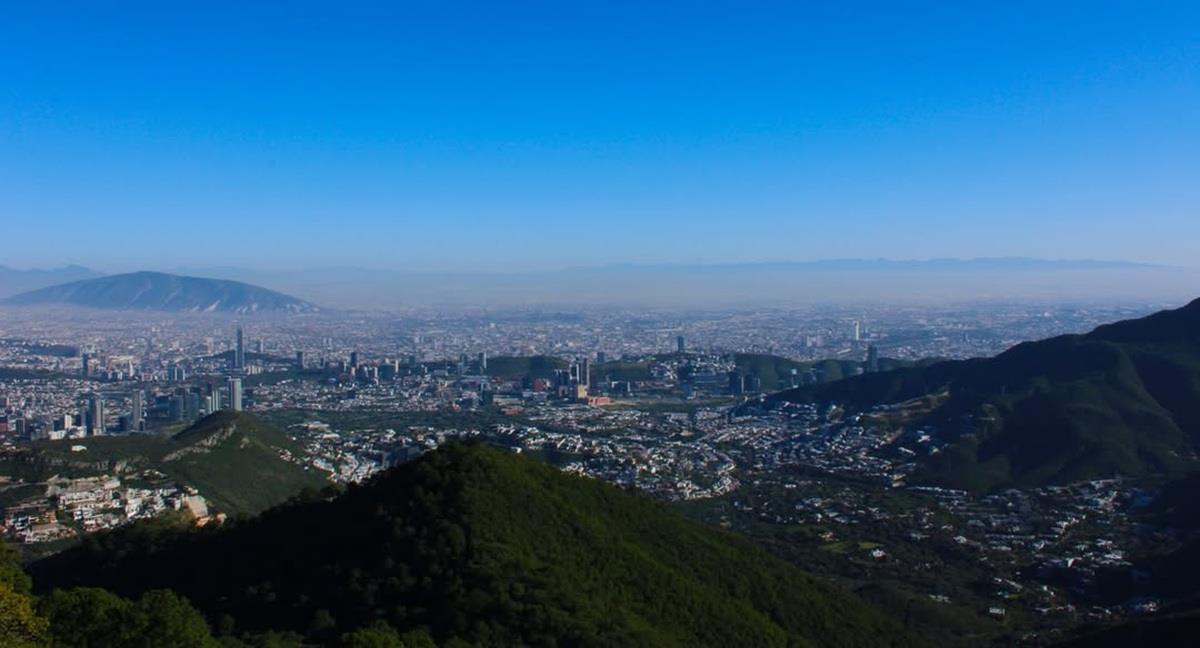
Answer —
486 547
234 459
1123 399
524 366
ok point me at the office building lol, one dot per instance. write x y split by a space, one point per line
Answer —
239 351
235 394
95 415
137 410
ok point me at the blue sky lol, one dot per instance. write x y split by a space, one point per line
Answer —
539 135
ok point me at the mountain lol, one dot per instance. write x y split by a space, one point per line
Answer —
720 285
480 545
1121 400
164 292
13 281
234 459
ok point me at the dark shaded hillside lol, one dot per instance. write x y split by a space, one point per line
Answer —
1123 399
487 547
164 292
525 366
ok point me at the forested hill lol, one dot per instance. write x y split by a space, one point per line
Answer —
1123 399
487 547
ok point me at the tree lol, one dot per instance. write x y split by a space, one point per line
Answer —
96 618
20 627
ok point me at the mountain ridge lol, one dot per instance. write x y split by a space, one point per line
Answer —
160 291
481 545
1123 399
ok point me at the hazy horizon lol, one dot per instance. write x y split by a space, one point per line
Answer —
690 286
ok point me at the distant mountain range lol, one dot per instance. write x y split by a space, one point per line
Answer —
13 281
165 292
478 546
735 284
1121 400
707 285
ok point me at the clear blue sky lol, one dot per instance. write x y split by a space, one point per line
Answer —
537 135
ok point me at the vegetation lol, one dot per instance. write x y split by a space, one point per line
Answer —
471 544
1123 399
234 459
540 366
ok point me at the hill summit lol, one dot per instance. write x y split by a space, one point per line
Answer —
165 292
479 545
1123 399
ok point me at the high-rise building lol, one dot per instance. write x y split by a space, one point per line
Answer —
214 398
483 362
857 332
585 372
354 359
737 383
239 351
679 345
137 410
872 359
235 394
85 367
300 360
95 415
601 357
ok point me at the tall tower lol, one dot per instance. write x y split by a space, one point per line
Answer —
95 415
857 330
679 345
235 394
137 410
239 353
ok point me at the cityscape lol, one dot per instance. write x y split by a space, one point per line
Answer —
599 325
671 405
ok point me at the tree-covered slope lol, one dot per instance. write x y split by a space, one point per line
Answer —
238 462
487 547
540 366
1123 399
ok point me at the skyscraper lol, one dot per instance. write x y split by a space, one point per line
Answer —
95 415
235 394
300 360
137 410
86 364
239 353
354 359
857 332
872 359
679 345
